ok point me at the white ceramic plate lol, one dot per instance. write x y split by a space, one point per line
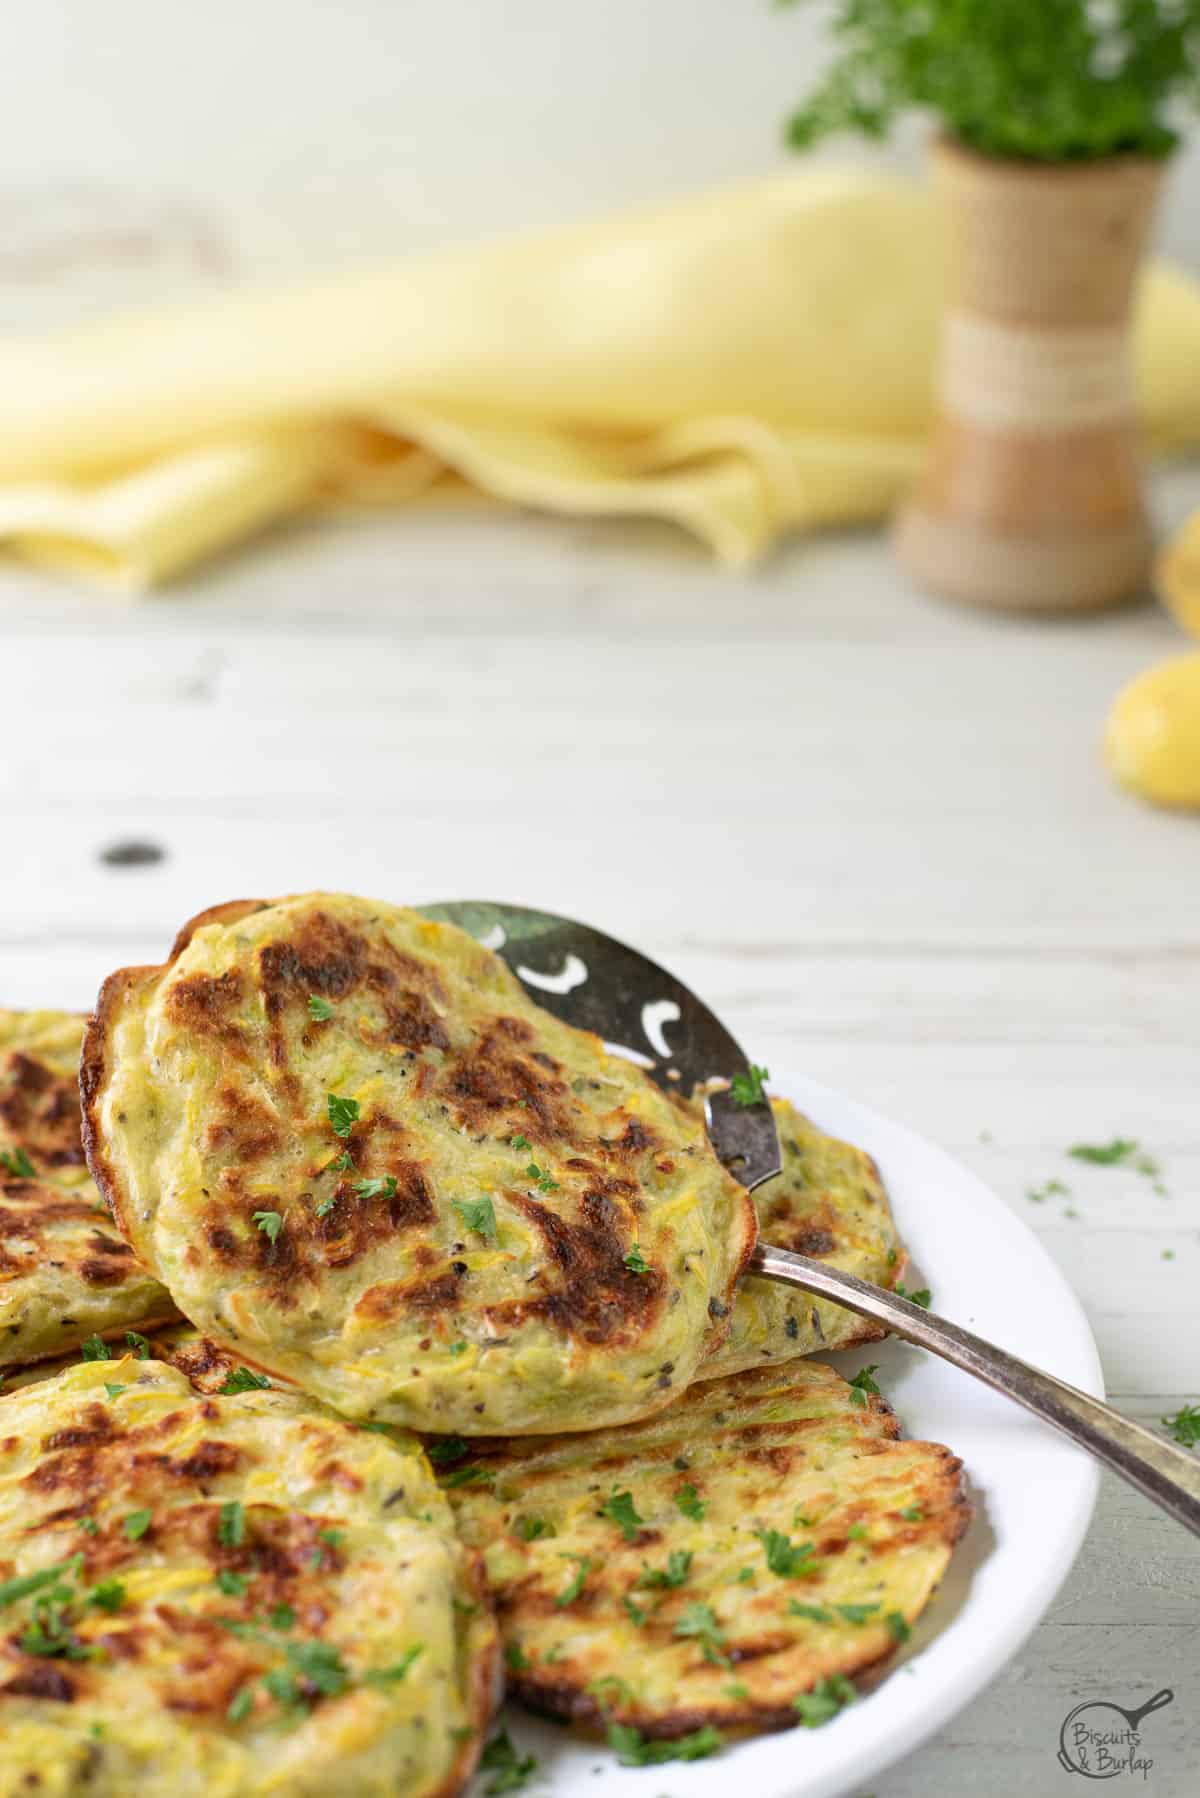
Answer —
1033 1492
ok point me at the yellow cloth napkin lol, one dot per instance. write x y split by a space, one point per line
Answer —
753 360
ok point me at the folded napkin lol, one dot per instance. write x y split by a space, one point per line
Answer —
754 360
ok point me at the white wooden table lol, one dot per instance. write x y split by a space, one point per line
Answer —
872 830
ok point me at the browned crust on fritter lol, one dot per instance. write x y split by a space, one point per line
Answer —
93 1072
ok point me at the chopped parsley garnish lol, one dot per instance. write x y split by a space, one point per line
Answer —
136 1524
89 1526
1110 1154
25 1583
735 1689
679 1565
109 1595
324 1206
545 1182
469 1476
478 1215
921 1297
95 1349
282 1616
1051 1189
342 1114
748 1089
912 1514
856 1613
231 1524
784 1557
515 1658
231 1583
509 1769
634 1612
689 1501
700 1620
574 1585
460 1347
623 1512
240 1705
269 1222
448 1449
826 1699
633 1750
18 1164
898 1625
391 1676
520 1142
319 1010
341 1164
243 1379
384 1188
856 1533
815 1613
533 1529
112 1390
1185 1425
320 1664
635 1261
140 1345
862 1383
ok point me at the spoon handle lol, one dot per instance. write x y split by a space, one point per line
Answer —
1166 1474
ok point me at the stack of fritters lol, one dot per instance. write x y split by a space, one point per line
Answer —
391 1193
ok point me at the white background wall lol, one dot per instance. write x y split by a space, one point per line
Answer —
159 145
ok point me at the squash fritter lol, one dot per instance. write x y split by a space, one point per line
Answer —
355 1151
65 1271
223 1597
828 1201
766 1536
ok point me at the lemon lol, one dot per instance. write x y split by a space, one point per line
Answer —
1152 741
1177 576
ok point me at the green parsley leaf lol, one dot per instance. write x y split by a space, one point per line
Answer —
509 1769
281 1684
243 1379
912 1514
856 1613
574 1586
391 1676
446 1450
633 1750
784 1557
282 1616
826 1699
634 1612
231 1524
679 1565
478 1215
1185 1425
136 1524
320 1664
468 1476
95 1349
533 1529
689 1501
112 1390
862 1383
748 1089
635 1261
856 1533
140 1345
460 1347
921 1297
240 1705
25 1583
384 1188
735 1689
342 1114
515 1658
341 1164
520 1142
17 1162
89 1526
898 1625
232 1584
1110 1154
623 1512
319 1010
269 1222
700 1620
545 1182
109 1595
325 1205
815 1613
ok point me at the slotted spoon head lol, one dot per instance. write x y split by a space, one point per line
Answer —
596 983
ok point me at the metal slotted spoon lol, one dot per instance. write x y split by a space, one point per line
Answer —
592 981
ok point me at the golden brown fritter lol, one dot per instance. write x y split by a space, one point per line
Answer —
354 1150
768 1536
65 1272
